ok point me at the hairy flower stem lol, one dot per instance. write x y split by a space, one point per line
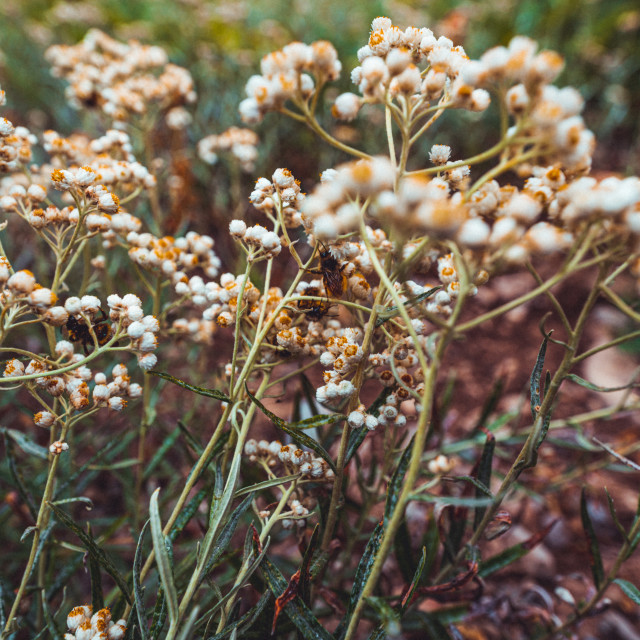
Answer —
238 388
431 373
41 523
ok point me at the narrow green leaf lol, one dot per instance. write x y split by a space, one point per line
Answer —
26 444
395 484
484 475
209 393
97 599
360 578
265 484
18 478
159 615
513 553
536 377
301 439
403 552
166 446
389 618
406 600
88 503
52 627
629 589
137 587
162 558
94 549
297 611
614 516
452 500
186 514
246 621
386 313
490 405
304 587
225 536
595 559
320 420
594 387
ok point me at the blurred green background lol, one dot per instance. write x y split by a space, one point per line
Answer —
221 44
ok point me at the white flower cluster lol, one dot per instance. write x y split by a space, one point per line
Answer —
293 459
174 257
21 291
285 75
360 418
123 80
331 209
283 192
343 355
141 329
241 142
99 626
257 238
15 145
389 65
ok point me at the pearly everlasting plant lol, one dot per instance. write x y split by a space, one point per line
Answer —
346 302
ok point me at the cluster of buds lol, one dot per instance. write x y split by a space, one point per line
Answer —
22 292
219 301
57 447
287 75
99 626
256 239
15 145
281 192
242 143
123 80
389 66
360 418
127 313
293 460
174 257
343 355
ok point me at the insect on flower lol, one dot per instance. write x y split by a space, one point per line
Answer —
335 281
80 331
314 309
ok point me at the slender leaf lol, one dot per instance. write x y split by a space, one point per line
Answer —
484 475
614 516
490 405
52 627
94 549
209 393
406 600
186 514
26 444
360 578
159 615
320 420
629 589
536 376
137 587
301 439
595 559
16 474
386 313
594 387
225 535
453 501
395 484
162 559
265 484
97 599
247 620
305 568
297 611
167 444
